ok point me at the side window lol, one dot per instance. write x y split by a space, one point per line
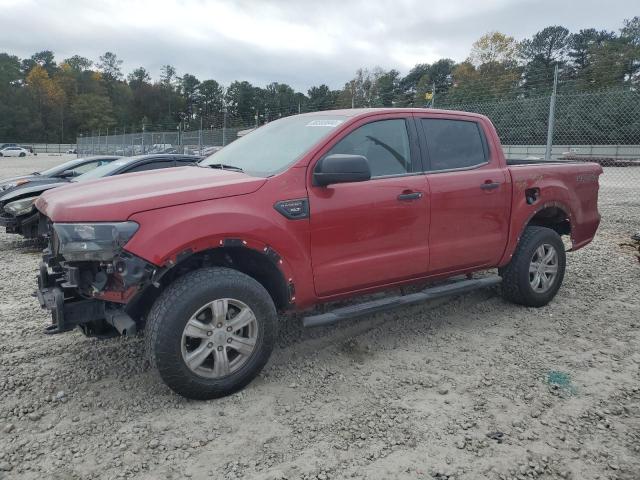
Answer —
80 169
453 143
385 143
151 166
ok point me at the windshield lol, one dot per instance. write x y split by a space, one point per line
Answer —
101 171
59 168
273 147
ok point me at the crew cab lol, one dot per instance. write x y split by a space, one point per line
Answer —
301 212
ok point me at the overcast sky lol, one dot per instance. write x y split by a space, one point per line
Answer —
299 42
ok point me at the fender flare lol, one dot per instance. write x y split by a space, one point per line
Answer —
513 242
224 241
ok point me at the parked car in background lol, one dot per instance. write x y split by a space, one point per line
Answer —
73 151
64 171
14 152
18 215
5 145
306 210
29 149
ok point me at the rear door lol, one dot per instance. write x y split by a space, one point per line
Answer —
469 195
373 232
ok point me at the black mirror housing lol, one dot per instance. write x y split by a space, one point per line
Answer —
341 168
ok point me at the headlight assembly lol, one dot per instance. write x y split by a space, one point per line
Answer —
93 241
20 207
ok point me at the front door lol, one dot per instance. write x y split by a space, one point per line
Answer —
373 232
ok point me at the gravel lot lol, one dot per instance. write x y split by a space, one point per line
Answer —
469 387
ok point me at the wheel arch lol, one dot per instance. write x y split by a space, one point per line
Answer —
555 215
264 265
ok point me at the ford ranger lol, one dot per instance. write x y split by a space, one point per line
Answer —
302 212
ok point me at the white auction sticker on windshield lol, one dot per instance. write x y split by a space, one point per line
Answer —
324 123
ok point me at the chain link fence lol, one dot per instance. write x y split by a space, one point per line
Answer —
602 127
196 142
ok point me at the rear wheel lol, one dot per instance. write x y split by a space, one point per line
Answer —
535 273
211 332
22 154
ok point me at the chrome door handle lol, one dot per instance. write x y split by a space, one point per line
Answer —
489 185
407 197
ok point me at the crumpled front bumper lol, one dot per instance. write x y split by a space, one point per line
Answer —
25 225
69 313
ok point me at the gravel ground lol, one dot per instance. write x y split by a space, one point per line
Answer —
469 387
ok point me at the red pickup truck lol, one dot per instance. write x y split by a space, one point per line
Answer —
304 211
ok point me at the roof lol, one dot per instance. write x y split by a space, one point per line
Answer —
357 112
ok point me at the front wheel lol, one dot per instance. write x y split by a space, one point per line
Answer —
22 154
211 332
535 273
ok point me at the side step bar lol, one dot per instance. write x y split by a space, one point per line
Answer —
389 303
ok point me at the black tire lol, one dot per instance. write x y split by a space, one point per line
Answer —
173 309
516 281
22 154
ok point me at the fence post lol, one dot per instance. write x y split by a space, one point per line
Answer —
433 96
224 127
552 116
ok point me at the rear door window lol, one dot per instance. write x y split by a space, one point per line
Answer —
453 144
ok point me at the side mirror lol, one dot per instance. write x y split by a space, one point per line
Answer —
340 168
67 174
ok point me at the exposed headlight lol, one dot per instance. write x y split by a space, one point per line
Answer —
93 241
20 207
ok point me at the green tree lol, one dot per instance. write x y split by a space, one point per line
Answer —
78 63
110 66
321 98
92 112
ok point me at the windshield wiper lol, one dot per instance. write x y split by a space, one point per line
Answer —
223 166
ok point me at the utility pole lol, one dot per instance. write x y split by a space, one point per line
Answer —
433 95
142 143
224 126
200 136
552 116
353 95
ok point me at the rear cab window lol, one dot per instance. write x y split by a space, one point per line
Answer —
453 144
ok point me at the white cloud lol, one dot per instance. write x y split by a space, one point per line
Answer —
298 42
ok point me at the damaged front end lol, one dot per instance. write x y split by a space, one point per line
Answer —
87 280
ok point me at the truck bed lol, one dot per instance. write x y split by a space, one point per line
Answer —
569 186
